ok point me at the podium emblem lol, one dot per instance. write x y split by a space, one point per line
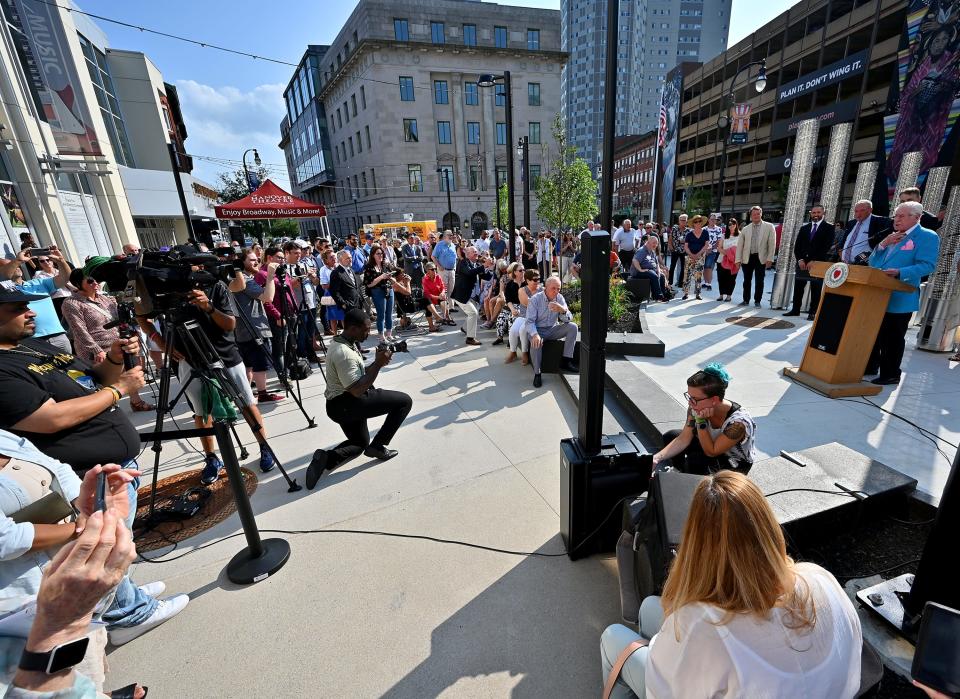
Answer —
836 274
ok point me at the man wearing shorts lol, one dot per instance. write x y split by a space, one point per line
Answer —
216 316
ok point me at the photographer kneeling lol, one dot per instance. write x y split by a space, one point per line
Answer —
216 316
352 400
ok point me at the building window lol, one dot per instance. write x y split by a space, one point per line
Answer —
367 131
533 39
406 89
500 90
350 143
440 93
500 37
353 104
363 97
469 34
401 30
533 94
446 176
359 143
501 175
436 32
373 176
410 134
501 133
363 178
346 113
106 98
534 175
470 93
443 132
415 178
534 132
473 132
474 178
339 119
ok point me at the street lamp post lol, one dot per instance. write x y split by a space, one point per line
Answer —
723 121
446 185
523 150
246 177
488 80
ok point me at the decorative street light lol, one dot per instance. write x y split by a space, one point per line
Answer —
523 152
246 172
723 121
489 80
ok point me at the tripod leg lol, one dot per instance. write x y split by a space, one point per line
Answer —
243 450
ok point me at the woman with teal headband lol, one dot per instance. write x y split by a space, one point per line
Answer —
719 433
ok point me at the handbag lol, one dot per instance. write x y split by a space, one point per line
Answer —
618 666
327 301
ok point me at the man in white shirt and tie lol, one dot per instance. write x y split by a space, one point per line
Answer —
863 234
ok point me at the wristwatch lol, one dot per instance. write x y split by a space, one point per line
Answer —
61 657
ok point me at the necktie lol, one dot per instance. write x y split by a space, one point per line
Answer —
848 250
813 231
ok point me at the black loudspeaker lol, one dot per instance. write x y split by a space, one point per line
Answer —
592 486
831 320
595 285
671 494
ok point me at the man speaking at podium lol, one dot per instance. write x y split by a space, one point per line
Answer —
907 254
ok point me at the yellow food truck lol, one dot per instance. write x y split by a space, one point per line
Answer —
400 229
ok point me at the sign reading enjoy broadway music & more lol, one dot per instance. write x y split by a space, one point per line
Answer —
269 201
833 73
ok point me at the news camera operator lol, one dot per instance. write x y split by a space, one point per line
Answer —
352 400
214 312
67 408
303 282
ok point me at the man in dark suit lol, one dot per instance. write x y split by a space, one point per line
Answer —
812 245
862 234
345 285
468 272
927 219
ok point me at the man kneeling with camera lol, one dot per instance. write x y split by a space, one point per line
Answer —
352 400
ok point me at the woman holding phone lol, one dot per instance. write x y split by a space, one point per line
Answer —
378 278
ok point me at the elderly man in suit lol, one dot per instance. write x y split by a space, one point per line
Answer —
812 245
908 253
345 288
755 251
863 233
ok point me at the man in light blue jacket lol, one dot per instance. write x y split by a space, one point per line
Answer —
907 254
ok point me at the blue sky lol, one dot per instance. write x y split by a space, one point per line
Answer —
232 103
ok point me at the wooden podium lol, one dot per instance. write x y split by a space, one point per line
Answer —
844 332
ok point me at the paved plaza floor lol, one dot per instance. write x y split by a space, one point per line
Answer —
356 615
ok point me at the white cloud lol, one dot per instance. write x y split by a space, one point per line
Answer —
223 122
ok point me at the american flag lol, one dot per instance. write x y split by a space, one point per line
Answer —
663 124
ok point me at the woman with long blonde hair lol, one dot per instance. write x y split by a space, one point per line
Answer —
739 618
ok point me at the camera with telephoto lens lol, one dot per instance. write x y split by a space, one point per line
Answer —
394 347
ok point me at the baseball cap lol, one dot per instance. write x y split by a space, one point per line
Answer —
302 243
369 236
9 293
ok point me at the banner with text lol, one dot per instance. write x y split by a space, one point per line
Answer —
672 94
51 74
827 116
833 73
740 122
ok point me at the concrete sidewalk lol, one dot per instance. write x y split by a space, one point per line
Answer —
366 616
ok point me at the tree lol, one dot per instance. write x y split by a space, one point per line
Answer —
567 193
699 201
234 185
503 195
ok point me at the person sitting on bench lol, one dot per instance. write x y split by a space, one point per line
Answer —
548 318
719 434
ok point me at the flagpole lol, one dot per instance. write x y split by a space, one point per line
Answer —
656 156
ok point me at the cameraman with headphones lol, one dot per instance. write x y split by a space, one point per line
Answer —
352 400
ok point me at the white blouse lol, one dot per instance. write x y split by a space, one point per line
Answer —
760 658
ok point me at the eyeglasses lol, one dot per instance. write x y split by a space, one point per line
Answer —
45 261
691 399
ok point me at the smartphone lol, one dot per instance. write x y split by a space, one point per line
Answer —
38 252
936 662
100 498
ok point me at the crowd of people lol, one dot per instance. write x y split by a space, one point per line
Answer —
66 368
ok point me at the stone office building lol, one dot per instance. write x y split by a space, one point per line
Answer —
404 113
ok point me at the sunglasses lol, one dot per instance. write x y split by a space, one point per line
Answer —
45 261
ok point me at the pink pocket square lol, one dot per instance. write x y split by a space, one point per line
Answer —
908 245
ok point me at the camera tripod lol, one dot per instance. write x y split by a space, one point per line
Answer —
290 330
205 365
